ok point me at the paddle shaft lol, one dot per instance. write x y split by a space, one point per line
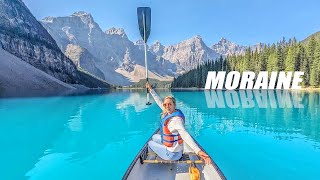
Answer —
145 54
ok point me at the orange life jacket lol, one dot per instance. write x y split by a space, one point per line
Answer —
167 138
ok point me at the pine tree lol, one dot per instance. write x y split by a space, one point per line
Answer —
304 67
280 57
262 61
290 60
299 56
315 70
317 58
221 63
256 61
247 64
310 55
272 64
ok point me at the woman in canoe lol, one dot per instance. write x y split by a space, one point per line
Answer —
169 144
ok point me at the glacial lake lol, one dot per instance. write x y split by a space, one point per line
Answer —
249 134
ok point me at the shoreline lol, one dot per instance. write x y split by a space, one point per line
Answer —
307 89
194 88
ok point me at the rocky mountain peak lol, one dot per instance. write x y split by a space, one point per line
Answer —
196 41
139 42
224 41
157 48
157 43
196 38
226 47
48 19
74 19
116 31
78 28
188 54
82 14
85 18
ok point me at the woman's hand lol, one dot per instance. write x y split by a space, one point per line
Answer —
205 157
148 86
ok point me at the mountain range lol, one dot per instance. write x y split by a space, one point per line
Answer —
75 50
121 60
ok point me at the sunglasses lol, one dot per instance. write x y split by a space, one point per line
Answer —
167 104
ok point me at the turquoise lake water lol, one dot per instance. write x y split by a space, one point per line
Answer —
249 134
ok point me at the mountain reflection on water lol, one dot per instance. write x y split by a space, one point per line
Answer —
281 112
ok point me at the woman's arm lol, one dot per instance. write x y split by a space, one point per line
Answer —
155 96
177 125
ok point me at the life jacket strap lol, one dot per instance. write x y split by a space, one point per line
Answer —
171 141
171 135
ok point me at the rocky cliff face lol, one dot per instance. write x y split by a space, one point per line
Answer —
157 48
79 29
82 58
23 36
188 54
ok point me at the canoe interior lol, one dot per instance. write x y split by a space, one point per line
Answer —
178 171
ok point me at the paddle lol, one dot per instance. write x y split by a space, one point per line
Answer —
144 21
194 172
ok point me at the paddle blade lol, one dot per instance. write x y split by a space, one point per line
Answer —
194 172
144 21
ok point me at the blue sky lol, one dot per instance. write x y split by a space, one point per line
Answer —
245 22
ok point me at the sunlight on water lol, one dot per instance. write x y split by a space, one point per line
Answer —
250 134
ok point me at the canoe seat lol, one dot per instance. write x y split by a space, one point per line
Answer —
153 158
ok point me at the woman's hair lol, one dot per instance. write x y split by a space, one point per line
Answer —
173 101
